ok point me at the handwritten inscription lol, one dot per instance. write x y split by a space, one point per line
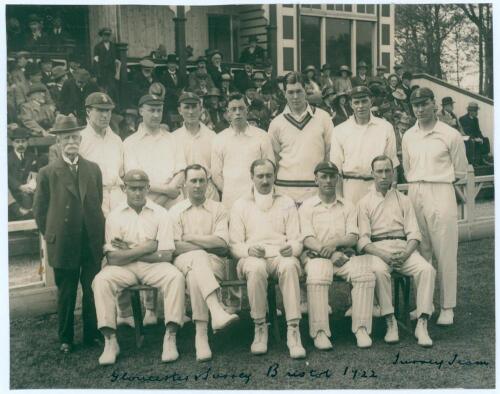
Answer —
454 360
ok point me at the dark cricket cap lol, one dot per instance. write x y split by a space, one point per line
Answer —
19 133
326 166
189 97
99 100
419 95
136 178
360 91
150 99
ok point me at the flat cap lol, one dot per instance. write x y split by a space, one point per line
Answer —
473 105
327 91
213 92
19 133
326 166
189 97
362 64
360 91
150 99
146 63
104 30
99 100
419 95
37 87
58 72
447 100
136 178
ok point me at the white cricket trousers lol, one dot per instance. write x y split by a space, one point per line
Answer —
256 272
202 272
422 272
320 273
112 279
435 206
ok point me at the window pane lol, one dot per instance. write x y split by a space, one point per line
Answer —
386 59
288 59
370 9
348 8
338 42
386 10
361 8
316 6
386 34
287 27
330 7
310 37
339 7
288 5
364 34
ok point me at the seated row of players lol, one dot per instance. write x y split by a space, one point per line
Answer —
300 137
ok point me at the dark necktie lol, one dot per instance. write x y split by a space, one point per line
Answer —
74 170
22 156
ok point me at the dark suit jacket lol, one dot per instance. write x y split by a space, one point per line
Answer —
104 69
471 126
18 171
72 99
168 82
57 41
258 55
216 75
61 212
140 86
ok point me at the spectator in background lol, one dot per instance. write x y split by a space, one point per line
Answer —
35 39
34 76
129 123
36 114
58 35
478 146
362 77
328 94
214 115
270 101
106 63
18 73
11 100
380 76
343 82
200 80
311 82
259 79
399 71
446 115
253 53
59 76
74 63
214 67
250 93
172 79
342 108
326 79
402 123
227 84
15 39
73 95
21 167
406 86
46 69
392 83
142 80
243 77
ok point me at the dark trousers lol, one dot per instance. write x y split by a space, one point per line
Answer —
476 151
67 286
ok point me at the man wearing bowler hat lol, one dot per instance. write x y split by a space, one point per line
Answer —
478 142
106 62
357 141
67 209
172 79
433 159
253 53
446 115
142 80
155 151
102 146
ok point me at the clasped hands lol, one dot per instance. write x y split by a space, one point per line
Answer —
150 245
395 259
260 252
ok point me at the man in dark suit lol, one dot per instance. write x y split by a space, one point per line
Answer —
58 35
172 79
142 80
35 39
67 210
253 53
21 164
46 69
106 62
73 95
478 146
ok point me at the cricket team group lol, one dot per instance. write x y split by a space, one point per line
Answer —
299 203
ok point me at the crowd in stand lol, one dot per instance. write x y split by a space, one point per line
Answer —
232 156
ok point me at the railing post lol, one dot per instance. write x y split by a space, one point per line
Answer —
470 204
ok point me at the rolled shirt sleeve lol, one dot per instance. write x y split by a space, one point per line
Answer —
365 231
237 233
306 224
458 156
411 228
221 225
165 234
292 231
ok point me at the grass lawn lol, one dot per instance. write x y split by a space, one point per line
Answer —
463 355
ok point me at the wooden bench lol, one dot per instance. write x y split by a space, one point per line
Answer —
401 283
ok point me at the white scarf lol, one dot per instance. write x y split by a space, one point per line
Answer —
263 201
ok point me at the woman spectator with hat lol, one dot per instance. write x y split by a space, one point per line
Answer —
214 67
200 80
326 78
343 82
342 108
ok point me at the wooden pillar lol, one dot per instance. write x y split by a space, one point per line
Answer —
180 38
272 39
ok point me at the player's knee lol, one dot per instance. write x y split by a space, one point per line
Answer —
254 266
288 265
319 271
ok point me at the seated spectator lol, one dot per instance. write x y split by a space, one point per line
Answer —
326 78
402 122
398 101
15 39
36 114
343 82
478 146
129 123
253 53
259 109
380 75
35 39
362 78
33 75
446 115
242 77
328 94
74 62
200 80
11 100
342 108
22 168
392 83
213 115
250 93
270 101
59 76
142 80
214 67
259 80
73 95
227 85
311 83
46 69
58 35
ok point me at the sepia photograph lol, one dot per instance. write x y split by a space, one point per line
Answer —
250 196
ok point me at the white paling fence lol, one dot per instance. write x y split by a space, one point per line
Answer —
39 297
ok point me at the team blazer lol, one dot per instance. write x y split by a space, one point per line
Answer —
61 211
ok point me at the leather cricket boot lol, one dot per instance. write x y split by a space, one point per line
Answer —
293 342
170 352
321 341
422 334
363 340
110 352
259 344
392 335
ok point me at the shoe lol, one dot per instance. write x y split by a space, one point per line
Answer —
203 352
65 348
259 344
170 352
414 316
392 335
362 338
222 321
294 343
125 321
150 318
322 342
421 333
110 352
445 317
